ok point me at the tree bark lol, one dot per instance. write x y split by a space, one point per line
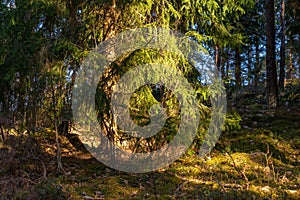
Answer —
238 67
272 89
226 68
256 67
282 47
290 72
217 58
249 78
222 63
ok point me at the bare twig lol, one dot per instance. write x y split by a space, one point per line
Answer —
181 186
241 172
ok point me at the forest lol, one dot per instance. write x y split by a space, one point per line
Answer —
149 99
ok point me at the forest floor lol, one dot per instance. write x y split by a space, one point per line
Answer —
259 161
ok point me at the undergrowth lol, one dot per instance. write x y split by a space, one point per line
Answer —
259 159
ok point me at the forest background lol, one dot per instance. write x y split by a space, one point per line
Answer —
255 46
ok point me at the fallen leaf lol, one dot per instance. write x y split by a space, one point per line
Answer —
88 197
266 189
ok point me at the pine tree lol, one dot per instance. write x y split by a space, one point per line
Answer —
272 89
282 46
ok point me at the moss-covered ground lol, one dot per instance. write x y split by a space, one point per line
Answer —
259 161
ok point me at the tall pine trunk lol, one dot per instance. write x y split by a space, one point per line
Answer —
222 65
217 58
238 67
291 64
256 67
282 48
249 55
272 89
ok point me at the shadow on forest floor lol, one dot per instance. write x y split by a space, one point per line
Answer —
260 161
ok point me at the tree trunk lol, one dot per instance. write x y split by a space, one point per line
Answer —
282 48
222 62
256 67
272 89
238 67
217 58
249 78
227 63
290 72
